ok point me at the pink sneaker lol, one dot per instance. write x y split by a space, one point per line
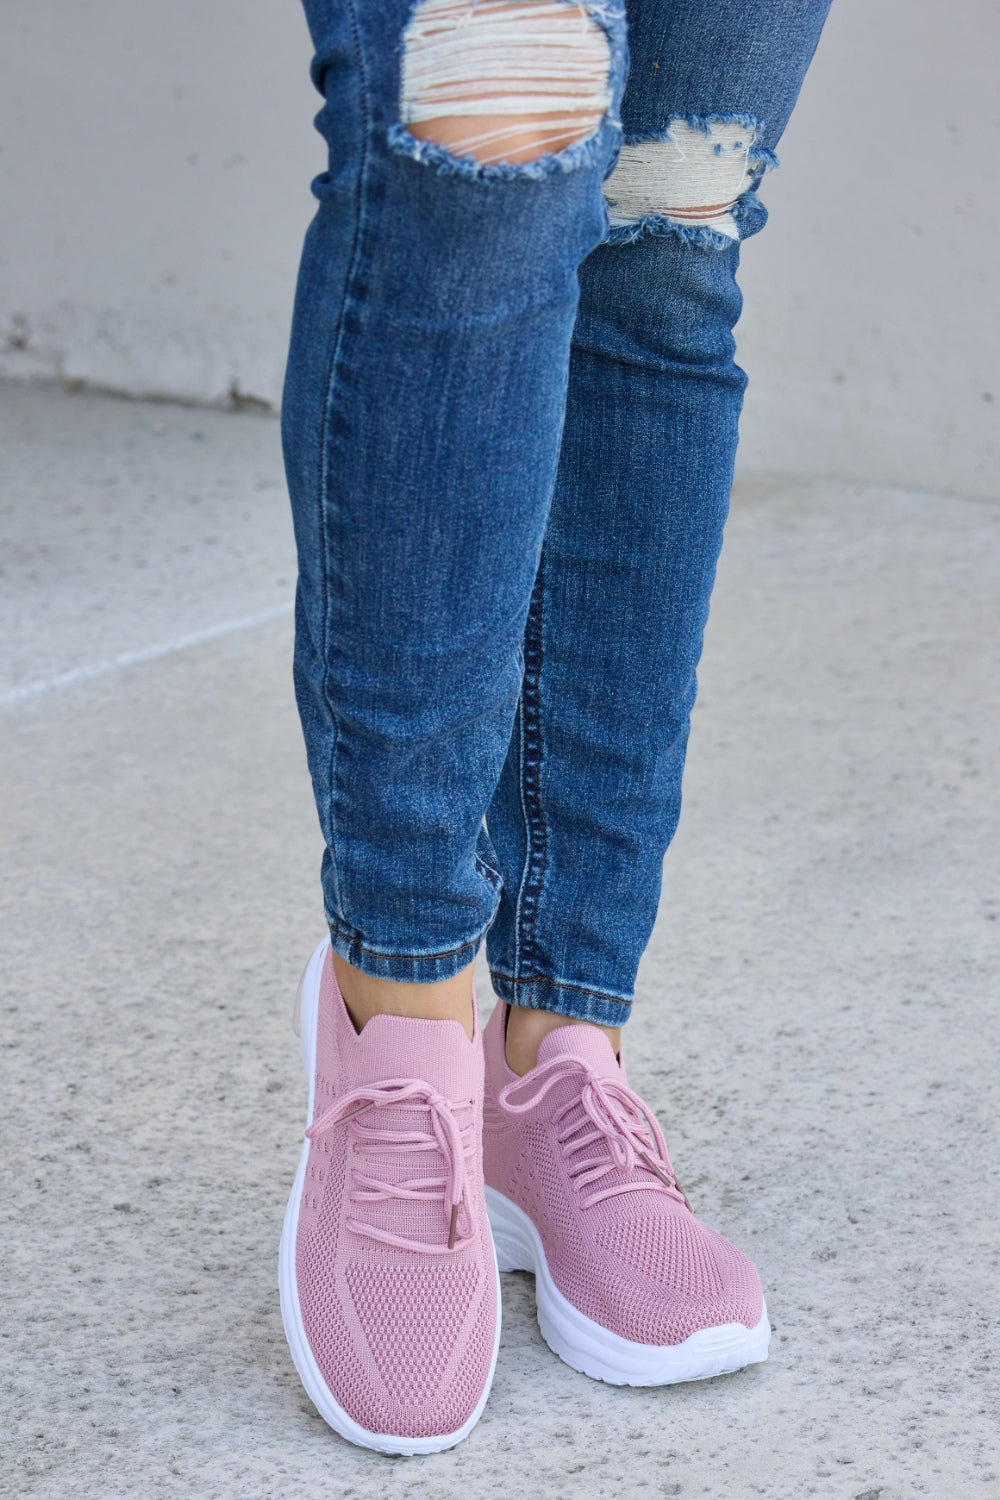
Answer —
630 1287
389 1289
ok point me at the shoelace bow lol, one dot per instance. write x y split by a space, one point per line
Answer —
612 1115
445 1135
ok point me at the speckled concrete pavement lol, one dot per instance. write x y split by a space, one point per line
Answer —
816 1020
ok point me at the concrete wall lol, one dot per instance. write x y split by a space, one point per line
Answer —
155 164
873 297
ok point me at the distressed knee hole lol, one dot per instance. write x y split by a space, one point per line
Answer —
504 80
693 177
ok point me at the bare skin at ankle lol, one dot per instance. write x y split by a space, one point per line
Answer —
526 1029
443 1000
451 1000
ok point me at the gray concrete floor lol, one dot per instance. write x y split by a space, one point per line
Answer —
816 1021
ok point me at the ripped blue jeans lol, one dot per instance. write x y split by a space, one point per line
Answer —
509 425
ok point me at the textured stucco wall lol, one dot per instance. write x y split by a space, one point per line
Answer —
154 169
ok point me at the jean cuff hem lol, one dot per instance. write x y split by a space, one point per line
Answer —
538 993
408 968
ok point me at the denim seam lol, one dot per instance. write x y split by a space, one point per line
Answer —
524 819
536 844
338 930
525 980
337 344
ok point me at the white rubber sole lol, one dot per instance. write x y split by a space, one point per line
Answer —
598 1352
316 1388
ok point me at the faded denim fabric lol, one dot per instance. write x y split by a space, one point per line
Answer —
509 434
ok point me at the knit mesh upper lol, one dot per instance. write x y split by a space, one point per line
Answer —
401 1327
634 1259
431 1302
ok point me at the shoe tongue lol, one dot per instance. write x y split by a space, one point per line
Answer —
588 1042
439 1052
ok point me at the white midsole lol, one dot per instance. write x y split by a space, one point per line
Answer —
595 1350
316 1388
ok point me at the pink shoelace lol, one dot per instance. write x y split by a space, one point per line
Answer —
608 1114
445 1135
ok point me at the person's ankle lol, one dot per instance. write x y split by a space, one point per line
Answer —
527 1028
442 1000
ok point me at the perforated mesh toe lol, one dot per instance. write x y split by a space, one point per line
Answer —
672 1252
430 1304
